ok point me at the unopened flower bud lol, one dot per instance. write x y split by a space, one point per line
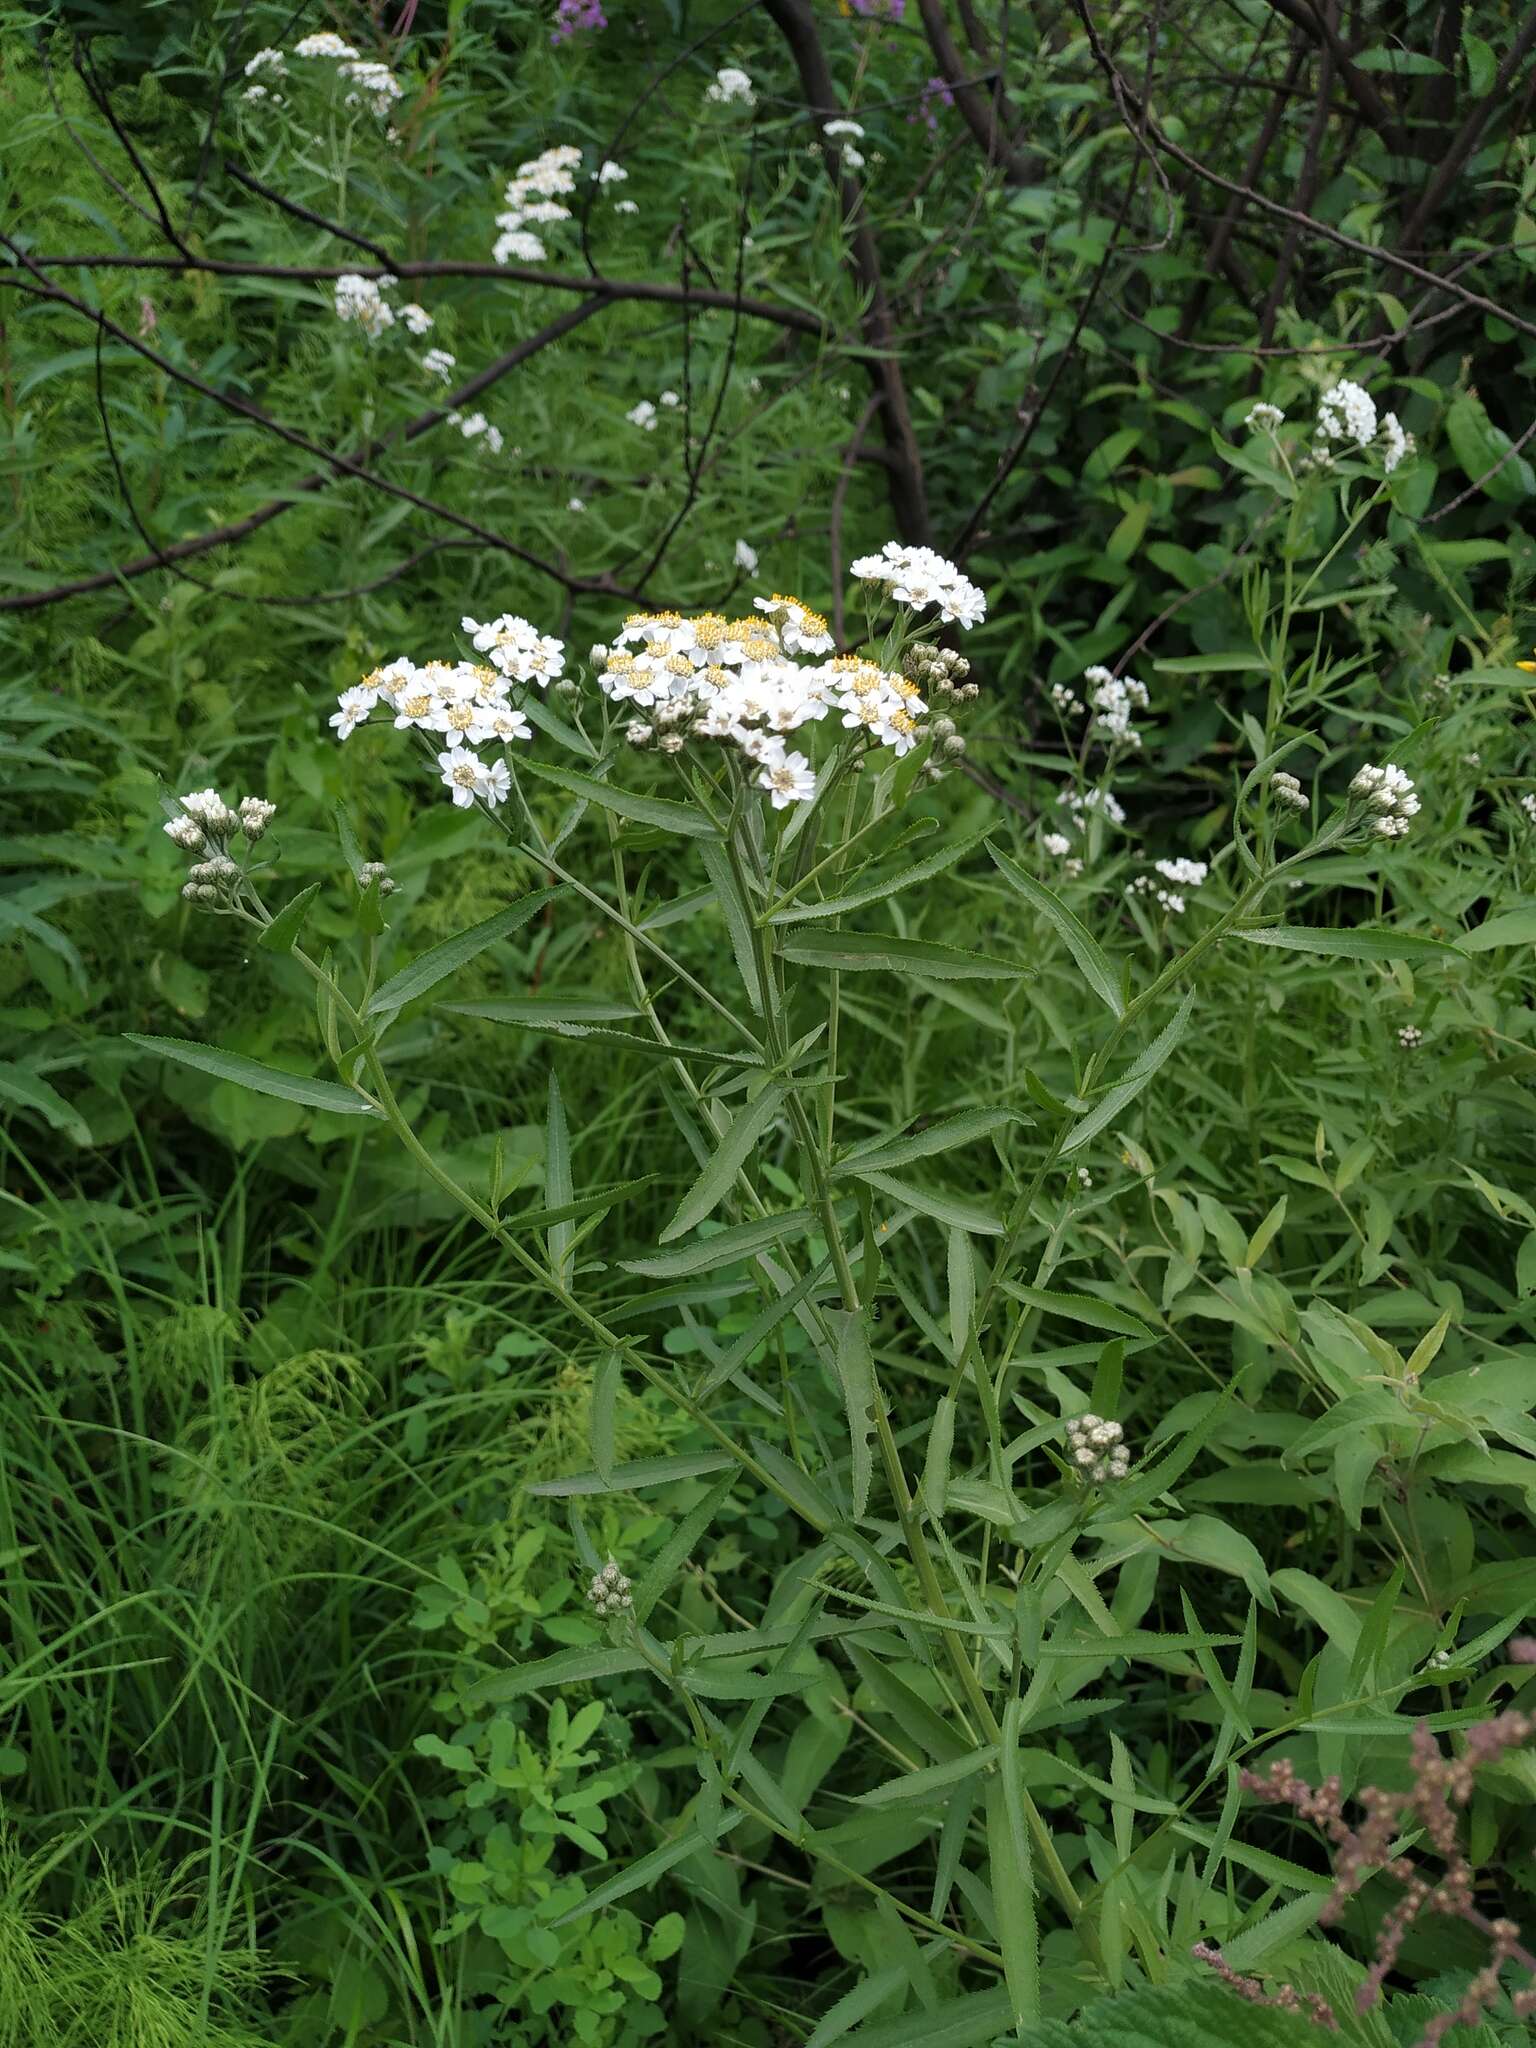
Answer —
256 814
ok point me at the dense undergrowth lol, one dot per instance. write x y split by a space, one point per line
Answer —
309 1732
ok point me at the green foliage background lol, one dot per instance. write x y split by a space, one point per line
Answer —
272 1414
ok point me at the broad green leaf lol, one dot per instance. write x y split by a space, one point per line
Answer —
944 1208
1080 1308
659 811
1085 949
21 1085
723 1248
856 1375
631 1478
741 1139
881 1154
1359 942
282 933
441 961
646 1869
1109 1106
1486 453
1187 2015
252 1074
871 952
1510 928
876 891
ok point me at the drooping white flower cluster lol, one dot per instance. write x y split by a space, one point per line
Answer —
474 425
731 87
1287 791
1168 881
204 826
1113 699
1390 797
609 1592
437 362
853 158
917 577
1098 1449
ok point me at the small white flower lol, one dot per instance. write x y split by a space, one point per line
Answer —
1347 413
835 128
575 505
1098 1449
1264 418
745 557
610 173
917 577
518 245
642 414
438 363
669 398
185 832
731 87
1389 795
464 773
355 705
416 318
788 778
1528 805
1057 845
267 63
256 814
1396 445
625 206
361 299
325 43
1410 1037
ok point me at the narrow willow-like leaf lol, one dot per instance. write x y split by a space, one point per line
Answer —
1351 942
965 2022
962 1292
932 1779
715 1182
558 1184
279 936
569 1667
1080 1308
1109 1106
547 1010
603 1419
646 1869
659 811
252 1074
876 891
631 1478
875 952
882 1154
856 1376
724 1248
1074 934
19 1084
1011 1870
941 1438
762 1325
441 961
678 1548
738 919
950 1209
494 1012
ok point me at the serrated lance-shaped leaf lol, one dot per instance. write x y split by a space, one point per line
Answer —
280 934
659 811
569 1667
1109 1106
1079 1308
967 2022
21 1085
880 1155
1349 942
1085 949
1188 2015
439 962
876 891
714 1183
723 1248
929 1782
632 1477
255 1075
646 1869
875 952
856 1375
944 1208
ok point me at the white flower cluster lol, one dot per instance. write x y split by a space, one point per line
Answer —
438 363
1287 791
472 425
1170 878
1079 805
1389 795
204 826
644 413
609 1592
731 87
834 131
373 84
1410 1037
1347 413
1114 698
468 704
1264 418
1528 805
533 199
917 577
1098 1448
361 299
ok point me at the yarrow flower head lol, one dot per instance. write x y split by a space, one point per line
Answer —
1098 1449
917 577
1114 698
437 363
1168 881
1347 412
731 87
1264 418
1389 797
362 299
642 414
1410 1037
609 1592
324 43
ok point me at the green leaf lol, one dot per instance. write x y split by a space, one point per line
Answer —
558 1184
601 1423
497 1011
1109 1106
872 952
1012 1875
877 891
944 1208
546 1012
279 936
631 1478
1481 447
738 919
659 811
679 1547
941 1438
741 1139
881 1154
722 1248
441 961
1187 2015
1510 928
1358 942
263 1080
856 1375
932 1779
1080 1308
969 2021
21 1085
646 1869
1079 941
570 1667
